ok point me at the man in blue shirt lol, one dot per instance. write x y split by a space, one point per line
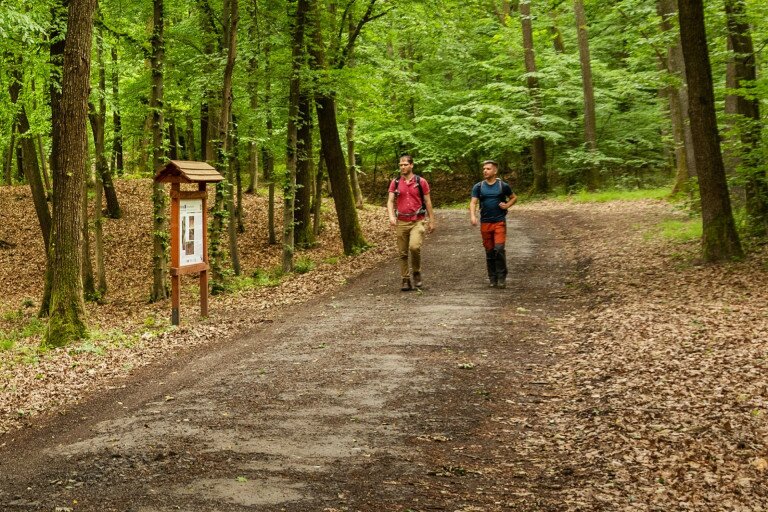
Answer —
494 197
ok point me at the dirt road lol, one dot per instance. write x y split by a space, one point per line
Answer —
372 399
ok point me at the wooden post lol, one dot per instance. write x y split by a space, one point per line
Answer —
175 242
204 272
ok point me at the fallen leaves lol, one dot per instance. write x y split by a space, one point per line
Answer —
126 331
662 379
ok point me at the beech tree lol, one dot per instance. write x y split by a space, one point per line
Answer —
67 322
743 71
325 101
538 148
590 123
160 288
298 23
719 238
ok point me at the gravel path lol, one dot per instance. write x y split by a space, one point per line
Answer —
371 399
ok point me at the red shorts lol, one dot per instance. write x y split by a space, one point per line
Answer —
493 233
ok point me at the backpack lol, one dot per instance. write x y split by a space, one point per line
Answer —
423 208
501 185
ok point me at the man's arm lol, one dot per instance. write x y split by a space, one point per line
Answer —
430 213
512 200
473 211
391 209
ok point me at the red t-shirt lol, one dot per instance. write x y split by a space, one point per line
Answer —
409 199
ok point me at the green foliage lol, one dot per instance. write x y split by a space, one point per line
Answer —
682 231
267 277
616 195
87 347
303 265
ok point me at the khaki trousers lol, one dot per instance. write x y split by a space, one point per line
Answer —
410 236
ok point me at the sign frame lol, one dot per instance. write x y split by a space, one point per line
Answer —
178 268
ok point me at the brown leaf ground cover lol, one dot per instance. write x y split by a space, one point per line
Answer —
126 330
657 398
662 383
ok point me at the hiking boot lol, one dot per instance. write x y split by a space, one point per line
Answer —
501 284
417 279
406 284
492 284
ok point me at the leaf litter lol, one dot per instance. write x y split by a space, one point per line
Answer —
657 399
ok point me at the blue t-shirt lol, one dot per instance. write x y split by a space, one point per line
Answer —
490 196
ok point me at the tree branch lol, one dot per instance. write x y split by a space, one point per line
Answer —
367 17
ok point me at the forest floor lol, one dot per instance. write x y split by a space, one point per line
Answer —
614 373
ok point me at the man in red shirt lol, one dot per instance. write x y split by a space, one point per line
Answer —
411 193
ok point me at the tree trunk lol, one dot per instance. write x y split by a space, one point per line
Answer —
302 218
234 201
267 156
173 140
29 159
44 166
590 124
677 111
317 202
89 284
325 102
8 159
102 168
160 289
352 163
117 120
189 140
557 36
56 56
538 147
749 124
298 22
230 18
234 163
98 120
66 322
253 70
101 274
719 239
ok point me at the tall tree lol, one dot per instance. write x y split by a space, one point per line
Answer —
66 322
160 289
298 23
350 132
29 158
677 94
98 118
117 119
325 102
102 168
747 108
267 154
232 18
719 238
538 148
253 90
590 123
304 235
219 114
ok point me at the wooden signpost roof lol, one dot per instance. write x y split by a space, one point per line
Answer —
187 171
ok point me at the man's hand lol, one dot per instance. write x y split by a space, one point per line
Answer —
430 226
504 206
473 220
393 222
